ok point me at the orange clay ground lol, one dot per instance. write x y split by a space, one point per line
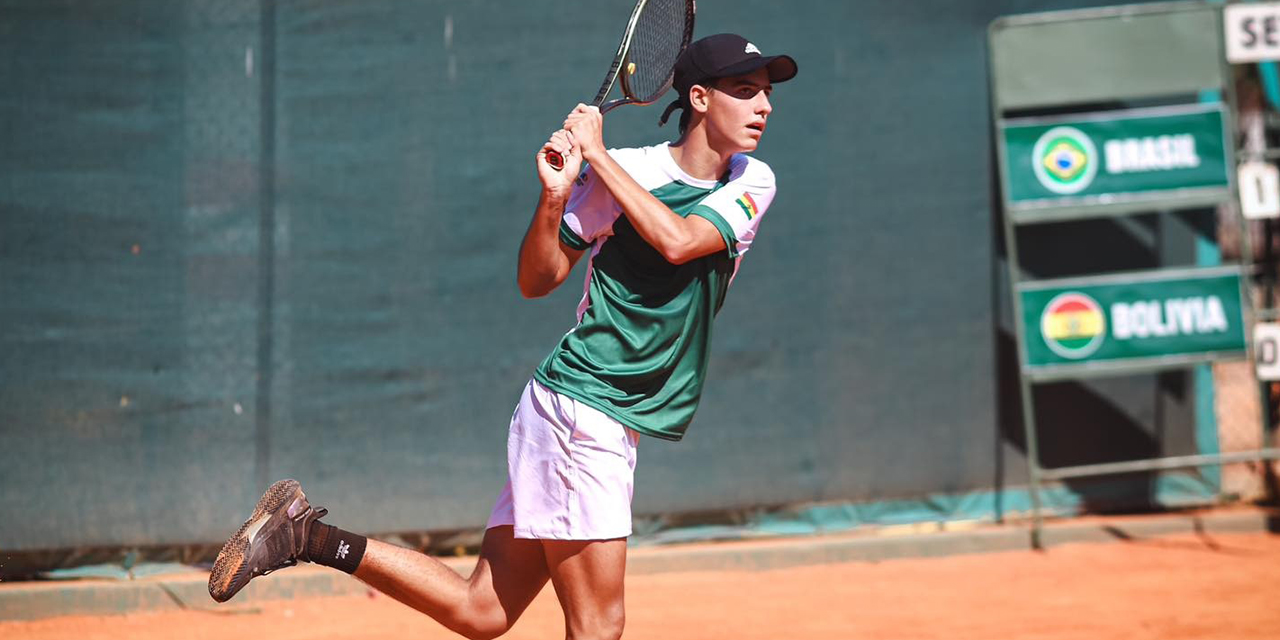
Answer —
1203 587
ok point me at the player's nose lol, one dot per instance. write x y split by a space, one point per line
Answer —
763 106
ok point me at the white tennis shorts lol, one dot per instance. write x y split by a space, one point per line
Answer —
570 470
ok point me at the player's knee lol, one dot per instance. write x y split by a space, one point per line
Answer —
613 627
483 633
483 629
606 626
484 623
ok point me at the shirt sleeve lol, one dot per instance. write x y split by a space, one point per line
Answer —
589 213
737 208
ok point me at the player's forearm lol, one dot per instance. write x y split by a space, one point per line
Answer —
543 265
673 236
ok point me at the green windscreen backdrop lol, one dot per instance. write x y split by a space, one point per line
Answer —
242 241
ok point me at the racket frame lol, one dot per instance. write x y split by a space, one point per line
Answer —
625 59
624 52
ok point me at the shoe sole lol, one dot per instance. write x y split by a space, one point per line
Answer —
230 568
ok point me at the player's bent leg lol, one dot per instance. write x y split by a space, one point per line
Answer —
588 578
284 529
508 575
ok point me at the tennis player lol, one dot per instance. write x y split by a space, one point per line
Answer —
666 228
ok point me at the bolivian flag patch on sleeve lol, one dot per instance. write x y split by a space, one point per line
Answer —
748 206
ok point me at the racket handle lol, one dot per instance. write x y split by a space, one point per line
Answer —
555 160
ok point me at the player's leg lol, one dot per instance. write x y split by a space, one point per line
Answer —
588 578
581 510
508 575
284 529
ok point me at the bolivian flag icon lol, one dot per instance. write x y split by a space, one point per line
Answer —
748 205
1073 325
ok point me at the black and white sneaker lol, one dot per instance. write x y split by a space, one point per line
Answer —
274 537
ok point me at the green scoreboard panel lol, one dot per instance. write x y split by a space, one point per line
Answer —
1132 320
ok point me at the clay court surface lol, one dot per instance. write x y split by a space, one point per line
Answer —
1221 586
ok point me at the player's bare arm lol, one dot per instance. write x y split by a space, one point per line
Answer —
678 239
545 261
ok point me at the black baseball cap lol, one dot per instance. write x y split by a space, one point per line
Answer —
723 55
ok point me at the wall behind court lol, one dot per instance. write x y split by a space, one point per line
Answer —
243 241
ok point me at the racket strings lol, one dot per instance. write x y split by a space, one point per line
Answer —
662 31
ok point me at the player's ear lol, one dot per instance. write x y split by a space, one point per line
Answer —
699 97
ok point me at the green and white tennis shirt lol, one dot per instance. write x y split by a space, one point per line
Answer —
639 351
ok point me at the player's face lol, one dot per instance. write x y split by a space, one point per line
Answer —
738 111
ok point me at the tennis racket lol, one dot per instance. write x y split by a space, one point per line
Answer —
656 34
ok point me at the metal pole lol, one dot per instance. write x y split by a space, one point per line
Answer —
1266 281
1013 270
1025 388
1033 464
1160 464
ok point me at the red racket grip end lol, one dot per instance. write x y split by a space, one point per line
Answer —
555 160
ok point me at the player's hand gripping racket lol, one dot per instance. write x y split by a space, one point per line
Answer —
656 34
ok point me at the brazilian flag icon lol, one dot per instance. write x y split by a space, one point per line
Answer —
1065 160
